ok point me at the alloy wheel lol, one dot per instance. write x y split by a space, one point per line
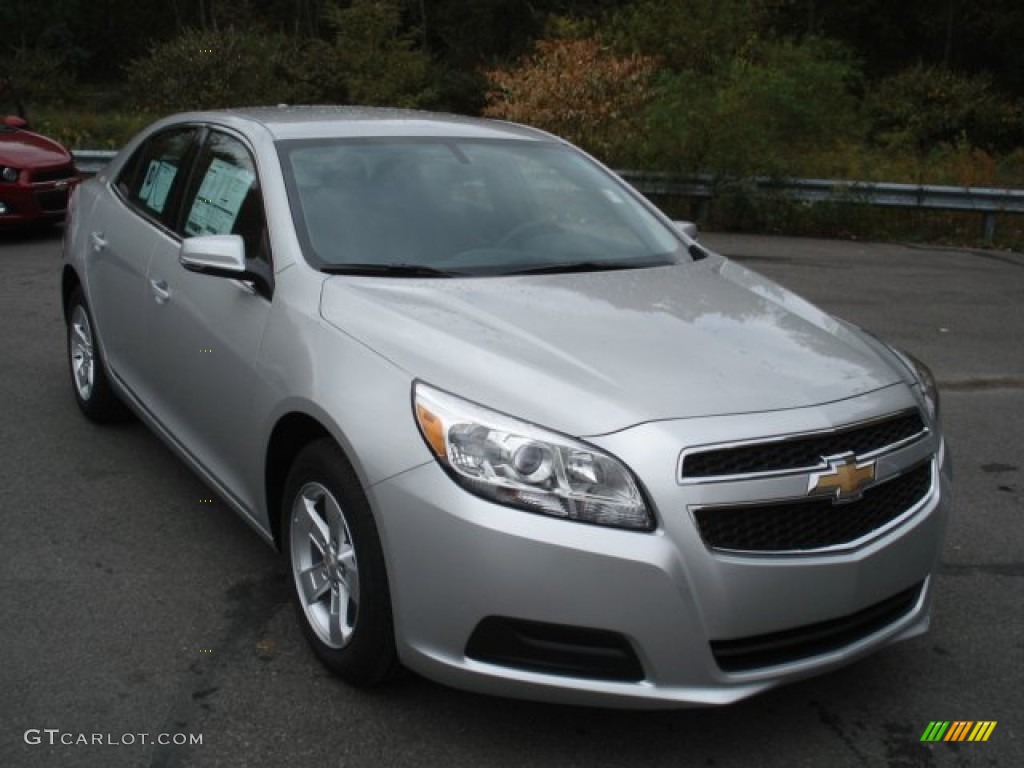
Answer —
82 356
324 565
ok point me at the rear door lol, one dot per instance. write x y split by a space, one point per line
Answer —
130 217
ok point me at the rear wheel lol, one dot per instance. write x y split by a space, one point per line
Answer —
88 375
339 581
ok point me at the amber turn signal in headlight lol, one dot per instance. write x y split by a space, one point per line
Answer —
518 464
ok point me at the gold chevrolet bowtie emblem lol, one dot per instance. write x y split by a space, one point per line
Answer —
844 478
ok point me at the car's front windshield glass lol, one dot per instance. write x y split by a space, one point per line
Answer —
446 207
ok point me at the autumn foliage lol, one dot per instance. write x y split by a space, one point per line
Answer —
578 89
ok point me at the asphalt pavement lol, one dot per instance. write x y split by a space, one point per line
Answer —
135 609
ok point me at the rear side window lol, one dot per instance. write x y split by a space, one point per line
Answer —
156 171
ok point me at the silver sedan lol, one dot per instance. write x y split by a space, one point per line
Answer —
510 427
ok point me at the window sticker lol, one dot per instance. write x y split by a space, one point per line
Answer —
219 199
157 184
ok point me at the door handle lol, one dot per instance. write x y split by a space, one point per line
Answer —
161 292
98 241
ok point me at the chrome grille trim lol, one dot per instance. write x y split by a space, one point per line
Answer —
776 440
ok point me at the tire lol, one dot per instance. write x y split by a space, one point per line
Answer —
89 380
338 577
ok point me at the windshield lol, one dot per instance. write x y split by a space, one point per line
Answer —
443 207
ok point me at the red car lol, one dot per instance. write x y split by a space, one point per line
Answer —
36 174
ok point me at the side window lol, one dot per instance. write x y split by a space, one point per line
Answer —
150 176
225 198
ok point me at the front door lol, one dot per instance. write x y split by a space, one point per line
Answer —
206 331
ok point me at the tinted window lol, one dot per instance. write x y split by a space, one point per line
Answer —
225 197
157 169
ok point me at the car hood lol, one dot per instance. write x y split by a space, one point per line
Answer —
592 353
24 149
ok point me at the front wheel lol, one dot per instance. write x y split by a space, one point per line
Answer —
339 580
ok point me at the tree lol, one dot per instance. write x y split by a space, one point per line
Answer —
205 69
925 106
758 113
374 60
692 35
579 89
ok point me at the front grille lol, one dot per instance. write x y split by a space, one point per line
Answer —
813 523
813 639
803 452
64 173
53 201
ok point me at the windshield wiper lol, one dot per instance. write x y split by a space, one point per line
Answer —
585 266
388 270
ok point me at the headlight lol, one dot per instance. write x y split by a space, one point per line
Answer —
917 372
9 174
920 374
518 464
925 380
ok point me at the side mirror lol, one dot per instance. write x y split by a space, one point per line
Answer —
224 256
13 121
688 228
218 255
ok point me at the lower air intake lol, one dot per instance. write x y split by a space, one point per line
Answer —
769 650
555 649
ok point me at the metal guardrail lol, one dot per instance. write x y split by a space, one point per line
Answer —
988 202
984 200
92 161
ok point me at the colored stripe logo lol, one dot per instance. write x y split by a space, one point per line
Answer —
958 730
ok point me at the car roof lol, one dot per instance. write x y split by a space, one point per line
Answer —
313 122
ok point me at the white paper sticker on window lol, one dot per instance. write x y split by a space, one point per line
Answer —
157 184
219 199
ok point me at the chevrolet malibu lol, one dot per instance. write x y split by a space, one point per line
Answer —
510 427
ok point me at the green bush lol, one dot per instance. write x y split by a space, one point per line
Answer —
373 61
924 106
83 128
367 62
203 69
690 35
757 114
38 75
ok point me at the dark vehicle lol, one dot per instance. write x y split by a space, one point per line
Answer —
37 174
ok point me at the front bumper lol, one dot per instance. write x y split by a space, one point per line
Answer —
456 561
27 204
